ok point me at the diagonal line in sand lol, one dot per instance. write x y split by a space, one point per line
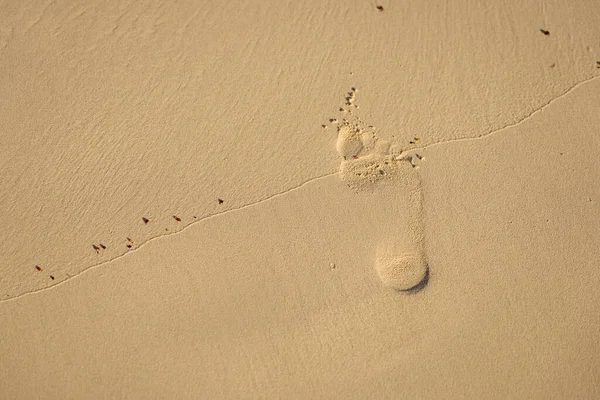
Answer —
173 233
405 153
519 122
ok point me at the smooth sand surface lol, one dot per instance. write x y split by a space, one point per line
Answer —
315 200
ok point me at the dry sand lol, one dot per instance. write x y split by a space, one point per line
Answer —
299 200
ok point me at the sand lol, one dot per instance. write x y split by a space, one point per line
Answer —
314 200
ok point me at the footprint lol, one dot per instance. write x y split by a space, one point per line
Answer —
367 162
401 261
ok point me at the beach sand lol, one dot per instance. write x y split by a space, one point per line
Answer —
315 200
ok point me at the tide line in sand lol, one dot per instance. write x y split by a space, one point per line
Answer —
366 161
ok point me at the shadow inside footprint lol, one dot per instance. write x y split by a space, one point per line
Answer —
419 286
